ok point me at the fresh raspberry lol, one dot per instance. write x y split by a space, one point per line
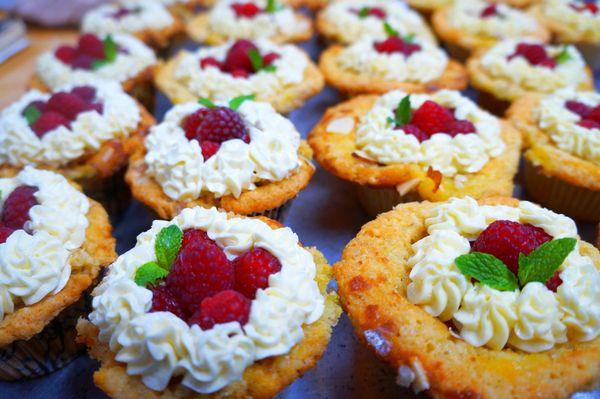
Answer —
246 10
209 148
395 44
415 131
595 114
200 270
224 307
506 240
461 126
548 63
163 300
121 13
554 282
377 12
5 232
269 58
210 61
49 121
66 54
83 61
237 56
91 45
17 205
535 54
240 73
220 124
432 118
86 93
578 108
489 11
67 104
587 6
589 124
39 105
192 122
252 271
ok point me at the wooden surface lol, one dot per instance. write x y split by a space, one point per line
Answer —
16 72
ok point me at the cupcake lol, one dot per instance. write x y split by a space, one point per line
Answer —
346 21
250 19
312 4
511 68
282 75
182 8
149 21
472 25
210 305
240 156
562 163
376 66
121 58
53 243
400 148
576 22
497 299
85 132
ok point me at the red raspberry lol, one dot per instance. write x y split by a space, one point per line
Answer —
395 44
506 240
593 8
578 108
66 54
209 148
246 10
377 12
535 54
200 270
548 63
67 104
432 118
252 271
91 45
489 11
237 56
415 131
192 121
210 61
217 124
86 93
595 114
589 124
83 61
49 121
5 232
240 73
17 205
462 126
224 307
121 13
269 58
554 281
163 300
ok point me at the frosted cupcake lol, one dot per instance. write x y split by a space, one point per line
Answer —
120 58
562 164
349 20
472 25
53 243
240 156
183 8
250 19
496 299
282 75
508 70
401 148
409 63
151 22
210 305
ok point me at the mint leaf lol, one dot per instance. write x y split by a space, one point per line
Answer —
403 112
97 64
544 261
272 6
270 68
409 38
167 245
488 270
31 114
149 273
563 57
206 102
235 103
364 12
256 60
111 49
389 30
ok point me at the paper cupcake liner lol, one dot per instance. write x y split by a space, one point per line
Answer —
51 349
380 200
591 53
280 213
574 201
489 102
457 52
111 192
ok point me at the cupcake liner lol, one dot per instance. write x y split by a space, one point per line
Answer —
574 201
489 102
279 213
591 53
457 52
51 349
380 200
112 192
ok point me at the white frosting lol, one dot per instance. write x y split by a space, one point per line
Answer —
422 66
533 319
560 124
350 26
147 15
376 139
54 73
506 23
177 163
211 82
19 145
158 346
34 262
535 78
579 24
283 22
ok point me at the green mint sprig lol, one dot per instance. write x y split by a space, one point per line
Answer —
563 57
364 12
31 114
234 103
166 247
149 273
258 63
403 113
540 265
273 6
111 50
389 30
206 102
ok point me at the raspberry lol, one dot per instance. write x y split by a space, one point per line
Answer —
49 121
589 124
415 131
83 61
246 10
395 44
210 61
548 63
269 58
192 121
86 93
237 56
554 281
121 13
240 73
91 45
377 12
209 148
218 124
224 307
163 300
432 118
252 271
461 126
17 205
200 270
489 11
535 54
506 240
5 232
595 114
587 6
67 104
578 108
66 54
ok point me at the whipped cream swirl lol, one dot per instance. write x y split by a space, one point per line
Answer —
581 24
